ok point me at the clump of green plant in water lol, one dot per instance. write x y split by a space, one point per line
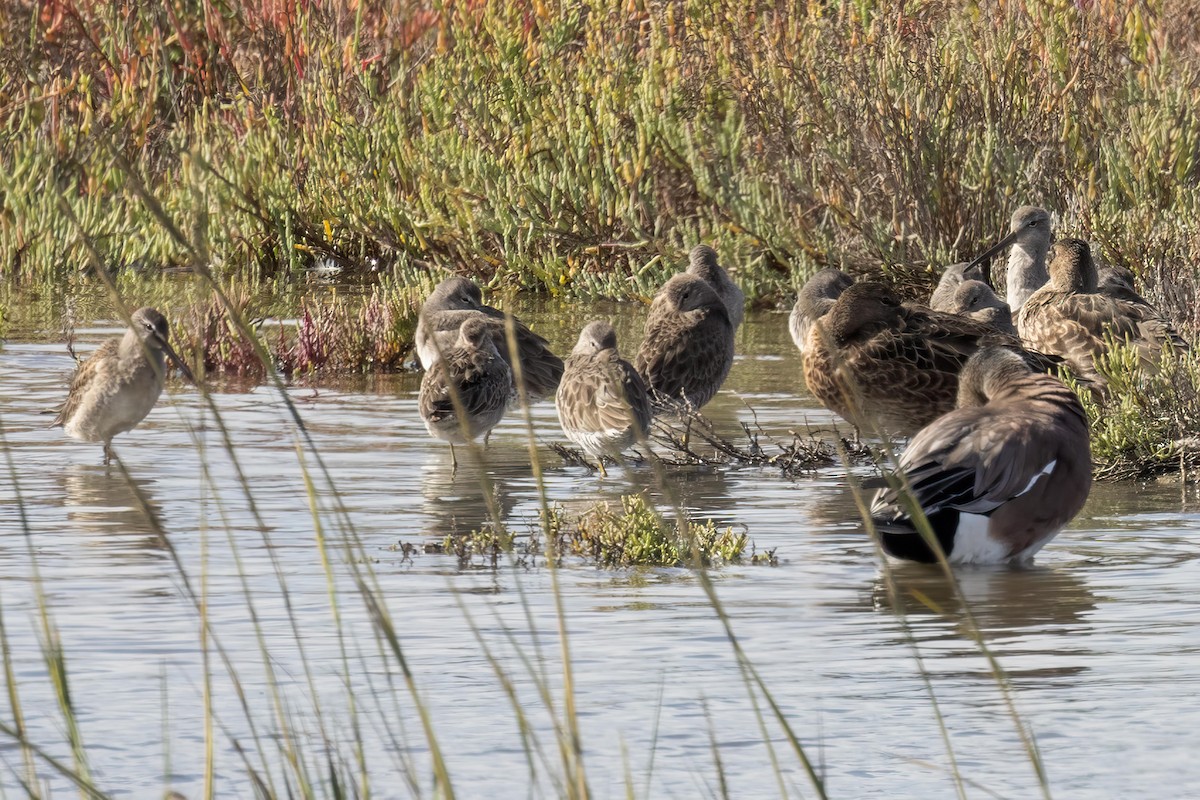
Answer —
636 535
1148 422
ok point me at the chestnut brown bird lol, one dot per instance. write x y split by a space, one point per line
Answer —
457 299
603 404
998 476
879 363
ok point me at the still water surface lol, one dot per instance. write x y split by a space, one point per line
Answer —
1101 639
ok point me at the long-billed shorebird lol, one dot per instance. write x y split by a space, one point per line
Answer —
879 363
952 277
603 404
688 346
466 391
115 388
816 297
976 300
997 477
1068 317
1030 234
702 262
457 299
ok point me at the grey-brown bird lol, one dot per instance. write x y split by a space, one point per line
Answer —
466 391
457 299
1070 318
1030 234
953 276
816 297
687 349
880 363
115 388
976 300
997 477
702 262
603 404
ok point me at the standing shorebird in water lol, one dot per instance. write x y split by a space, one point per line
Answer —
465 393
603 404
115 388
1069 317
456 300
817 296
997 477
688 347
702 262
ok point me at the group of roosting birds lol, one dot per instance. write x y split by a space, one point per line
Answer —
999 458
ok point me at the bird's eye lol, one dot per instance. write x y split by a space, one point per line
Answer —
1033 222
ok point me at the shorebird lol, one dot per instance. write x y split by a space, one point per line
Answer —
688 346
1070 318
1030 234
702 262
877 362
115 388
953 276
816 297
465 393
603 404
997 477
976 300
455 300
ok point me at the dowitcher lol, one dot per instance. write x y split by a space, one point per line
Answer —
976 300
953 276
702 262
688 346
816 297
1070 318
997 477
115 388
603 404
455 300
1030 234
465 393
878 362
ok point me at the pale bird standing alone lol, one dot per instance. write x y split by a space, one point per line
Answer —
456 300
465 393
997 477
603 404
115 388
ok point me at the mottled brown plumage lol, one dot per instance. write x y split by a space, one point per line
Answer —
465 393
879 363
454 301
688 345
816 297
977 301
1070 318
953 276
702 262
115 388
997 477
603 404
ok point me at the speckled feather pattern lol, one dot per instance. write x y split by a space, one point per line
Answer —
482 381
113 390
603 404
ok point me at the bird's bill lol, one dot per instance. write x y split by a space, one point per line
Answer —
984 262
175 359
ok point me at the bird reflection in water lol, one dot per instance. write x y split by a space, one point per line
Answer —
101 500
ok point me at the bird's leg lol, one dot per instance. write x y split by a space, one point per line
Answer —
453 462
600 466
108 453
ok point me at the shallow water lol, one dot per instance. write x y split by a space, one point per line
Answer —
1100 639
